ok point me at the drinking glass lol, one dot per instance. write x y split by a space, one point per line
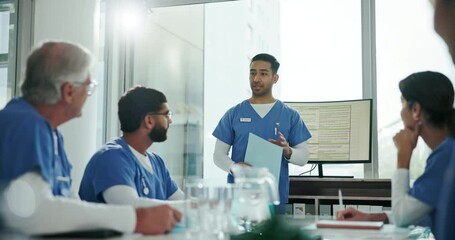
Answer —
208 210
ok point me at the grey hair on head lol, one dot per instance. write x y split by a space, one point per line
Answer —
50 66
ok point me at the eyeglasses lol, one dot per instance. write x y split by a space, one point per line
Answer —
91 87
168 114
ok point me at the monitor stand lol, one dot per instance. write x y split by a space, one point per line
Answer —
321 175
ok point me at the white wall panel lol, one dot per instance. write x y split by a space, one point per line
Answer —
75 21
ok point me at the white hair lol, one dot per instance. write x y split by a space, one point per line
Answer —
51 65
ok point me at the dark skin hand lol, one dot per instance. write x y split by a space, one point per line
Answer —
156 220
281 141
351 214
405 142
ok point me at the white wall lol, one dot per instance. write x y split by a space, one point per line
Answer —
72 20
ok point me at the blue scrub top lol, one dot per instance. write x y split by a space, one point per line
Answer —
236 124
445 215
115 164
427 188
27 144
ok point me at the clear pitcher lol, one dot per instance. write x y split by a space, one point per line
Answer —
255 194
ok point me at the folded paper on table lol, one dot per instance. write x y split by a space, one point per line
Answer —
349 224
262 153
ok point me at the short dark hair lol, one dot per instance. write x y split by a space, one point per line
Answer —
434 92
135 104
267 58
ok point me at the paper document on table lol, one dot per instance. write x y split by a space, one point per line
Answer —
349 224
262 153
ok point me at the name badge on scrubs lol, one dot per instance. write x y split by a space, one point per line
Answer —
245 119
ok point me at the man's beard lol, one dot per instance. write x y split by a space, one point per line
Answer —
158 134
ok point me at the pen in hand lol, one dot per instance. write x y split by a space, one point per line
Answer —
277 125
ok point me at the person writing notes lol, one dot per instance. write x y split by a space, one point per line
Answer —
266 117
427 112
33 164
122 171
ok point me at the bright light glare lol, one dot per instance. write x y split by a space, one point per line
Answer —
129 20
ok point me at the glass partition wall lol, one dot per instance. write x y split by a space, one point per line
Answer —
160 48
168 55
8 34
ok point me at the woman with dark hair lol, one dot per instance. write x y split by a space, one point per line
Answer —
427 111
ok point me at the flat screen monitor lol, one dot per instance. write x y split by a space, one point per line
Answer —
341 130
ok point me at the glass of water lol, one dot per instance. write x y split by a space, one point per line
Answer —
207 212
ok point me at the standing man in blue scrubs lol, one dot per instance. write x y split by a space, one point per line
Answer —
122 171
267 117
33 164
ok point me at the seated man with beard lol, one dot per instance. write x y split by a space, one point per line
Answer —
122 171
